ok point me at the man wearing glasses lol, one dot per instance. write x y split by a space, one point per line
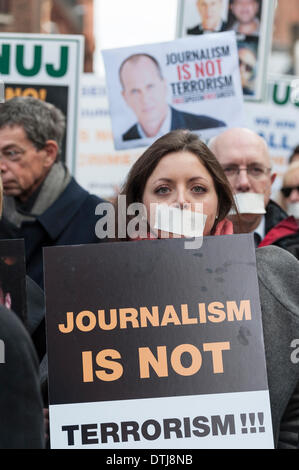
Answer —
245 159
42 202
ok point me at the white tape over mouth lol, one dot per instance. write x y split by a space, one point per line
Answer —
249 203
293 209
189 224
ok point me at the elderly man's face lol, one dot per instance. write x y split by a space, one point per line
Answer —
245 10
210 13
243 149
145 91
23 167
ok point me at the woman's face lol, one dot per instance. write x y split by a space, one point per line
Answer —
180 179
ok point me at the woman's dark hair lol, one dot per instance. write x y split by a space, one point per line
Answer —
177 141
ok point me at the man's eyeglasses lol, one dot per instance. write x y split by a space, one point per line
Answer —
253 171
14 155
11 155
286 191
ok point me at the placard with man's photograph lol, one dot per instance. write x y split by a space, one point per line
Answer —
251 20
183 84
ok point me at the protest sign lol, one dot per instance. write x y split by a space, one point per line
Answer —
151 345
13 277
100 168
277 121
252 22
47 67
188 83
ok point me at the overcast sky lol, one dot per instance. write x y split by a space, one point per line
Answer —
120 23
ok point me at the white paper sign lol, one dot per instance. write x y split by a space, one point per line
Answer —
190 83
47 67
100 168
277 120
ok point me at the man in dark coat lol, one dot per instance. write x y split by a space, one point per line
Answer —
145 91
21 405
245 159
42 202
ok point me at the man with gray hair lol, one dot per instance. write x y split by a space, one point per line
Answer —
245 158
42 202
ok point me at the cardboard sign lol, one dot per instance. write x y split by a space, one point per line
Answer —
13 277
251 21
190 83
151 345
277 121
100 168
47 67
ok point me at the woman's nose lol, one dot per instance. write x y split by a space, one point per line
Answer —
182 200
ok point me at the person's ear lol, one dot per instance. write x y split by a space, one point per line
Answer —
51 149
7 300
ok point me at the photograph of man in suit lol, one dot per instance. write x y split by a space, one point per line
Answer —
145 91
210 12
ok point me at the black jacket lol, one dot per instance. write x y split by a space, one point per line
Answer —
181 120
21 406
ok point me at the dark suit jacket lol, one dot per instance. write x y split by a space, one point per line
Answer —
199 30
181 120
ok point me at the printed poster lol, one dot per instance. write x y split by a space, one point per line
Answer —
251 21
47 67
276 120
100 168
187 83
154 346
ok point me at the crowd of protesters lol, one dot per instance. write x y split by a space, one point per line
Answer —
45 206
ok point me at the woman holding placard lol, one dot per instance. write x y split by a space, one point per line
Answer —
179 172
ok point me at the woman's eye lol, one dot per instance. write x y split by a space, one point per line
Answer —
162 190
198 189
